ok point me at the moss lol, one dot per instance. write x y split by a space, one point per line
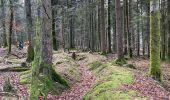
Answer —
25 78
155 70
94 65
118 95
120 62
41 86
110 78
103 88
56 77
30 55
7 86
45 80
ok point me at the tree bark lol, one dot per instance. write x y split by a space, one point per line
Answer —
103 33
155 70
168 17
119 28
3 24
11 26
30 32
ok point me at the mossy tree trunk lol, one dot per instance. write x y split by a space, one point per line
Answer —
30 32
155 70
42 70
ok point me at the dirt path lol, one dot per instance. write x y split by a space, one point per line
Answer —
79 89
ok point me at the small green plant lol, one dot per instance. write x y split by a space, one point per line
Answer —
7 86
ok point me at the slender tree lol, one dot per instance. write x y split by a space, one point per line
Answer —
109 26
30 32
11 26
119 30
103 33
168 29
3 24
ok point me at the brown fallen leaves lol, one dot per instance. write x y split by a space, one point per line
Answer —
79 89
148 87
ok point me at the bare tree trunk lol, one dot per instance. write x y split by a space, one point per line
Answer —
119 28
103 33
109 26
30 32
168 29
11 26
3 24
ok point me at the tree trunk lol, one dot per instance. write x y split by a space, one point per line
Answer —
119 28
30 32
103 33
109 26
3 24
163 31
138 32
129 14
148 27
168 29
43 75
155 70
11 26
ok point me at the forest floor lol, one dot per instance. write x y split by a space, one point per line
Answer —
91 77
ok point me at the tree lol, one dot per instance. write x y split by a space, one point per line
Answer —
11 26
155 70
109 26
168 30
119 29
3 23
30 31
55 46
103 33
43 74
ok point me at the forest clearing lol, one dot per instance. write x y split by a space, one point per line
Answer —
84 50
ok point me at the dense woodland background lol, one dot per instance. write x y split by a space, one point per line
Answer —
124 29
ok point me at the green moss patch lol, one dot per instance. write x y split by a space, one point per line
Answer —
120 62
109 80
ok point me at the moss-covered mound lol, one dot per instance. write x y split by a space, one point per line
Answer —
109 80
